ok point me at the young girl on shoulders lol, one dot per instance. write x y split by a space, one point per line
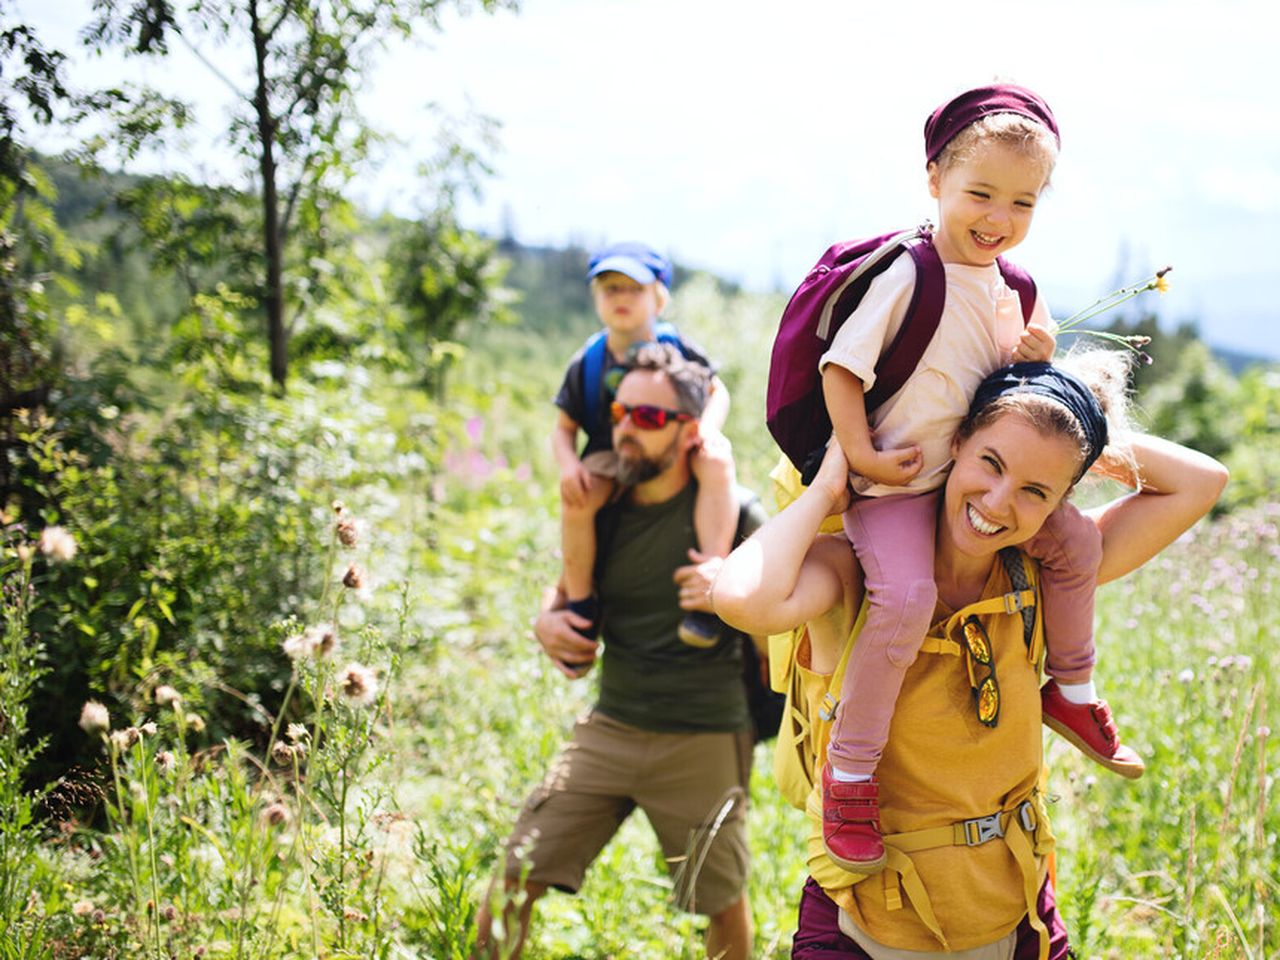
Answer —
989 154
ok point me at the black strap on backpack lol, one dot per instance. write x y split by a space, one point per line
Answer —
1015 566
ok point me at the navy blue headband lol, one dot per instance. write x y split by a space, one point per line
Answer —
1046 380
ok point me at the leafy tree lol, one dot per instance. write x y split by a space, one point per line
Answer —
295 118
444 276
31 244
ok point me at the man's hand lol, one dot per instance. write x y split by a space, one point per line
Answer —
695 580
571 652
1037 343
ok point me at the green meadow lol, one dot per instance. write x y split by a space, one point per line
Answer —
290 808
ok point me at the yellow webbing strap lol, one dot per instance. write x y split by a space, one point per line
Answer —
900 864
938 645
900 869
1020 847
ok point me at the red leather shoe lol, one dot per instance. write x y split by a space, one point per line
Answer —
1091 729
851 823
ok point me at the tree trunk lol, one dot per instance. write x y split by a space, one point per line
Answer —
273 242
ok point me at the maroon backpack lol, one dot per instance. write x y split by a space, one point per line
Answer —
795 410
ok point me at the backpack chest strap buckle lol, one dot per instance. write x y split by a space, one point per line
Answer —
981 829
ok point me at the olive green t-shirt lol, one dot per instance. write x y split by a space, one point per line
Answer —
649 678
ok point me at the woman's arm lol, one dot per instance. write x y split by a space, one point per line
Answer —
1177 487
779 579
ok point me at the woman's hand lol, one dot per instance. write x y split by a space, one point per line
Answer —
1177 487
833 478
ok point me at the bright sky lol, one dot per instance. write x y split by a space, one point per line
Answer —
746 136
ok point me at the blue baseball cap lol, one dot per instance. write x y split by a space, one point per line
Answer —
637 261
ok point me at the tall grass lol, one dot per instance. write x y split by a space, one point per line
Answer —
371 829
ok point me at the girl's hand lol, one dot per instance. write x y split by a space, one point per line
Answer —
575 481
1037 343
892 468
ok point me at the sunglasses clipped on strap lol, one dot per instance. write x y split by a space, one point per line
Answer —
645 416
982 671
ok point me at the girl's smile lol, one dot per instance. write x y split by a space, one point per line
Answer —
985 203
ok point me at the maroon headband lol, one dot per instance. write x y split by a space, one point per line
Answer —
972 105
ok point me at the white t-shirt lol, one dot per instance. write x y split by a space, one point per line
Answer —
981 324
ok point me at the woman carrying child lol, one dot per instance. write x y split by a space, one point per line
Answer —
964 824
989 154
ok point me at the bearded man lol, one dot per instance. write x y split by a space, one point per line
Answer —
670 732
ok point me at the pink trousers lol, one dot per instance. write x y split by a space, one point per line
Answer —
893 538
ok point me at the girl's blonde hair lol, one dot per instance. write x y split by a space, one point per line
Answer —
1027 136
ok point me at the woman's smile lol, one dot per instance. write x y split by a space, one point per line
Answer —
981 523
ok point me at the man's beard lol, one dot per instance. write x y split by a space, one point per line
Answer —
639 469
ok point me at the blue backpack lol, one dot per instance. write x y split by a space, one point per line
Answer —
795 410
593 360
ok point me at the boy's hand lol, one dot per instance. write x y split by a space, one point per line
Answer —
712 460
575 481
892 468
696 579
1037 343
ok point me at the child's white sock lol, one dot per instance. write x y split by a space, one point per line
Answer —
840 775
1078 692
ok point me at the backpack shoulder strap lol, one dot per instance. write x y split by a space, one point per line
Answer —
592 375
593 359
1015 565
918 326
665 332
1019 280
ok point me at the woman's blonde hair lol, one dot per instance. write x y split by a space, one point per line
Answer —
1106 373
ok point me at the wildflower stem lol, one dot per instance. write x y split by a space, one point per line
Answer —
1155 282
328 568
299 793
130 834
280 714
154 918
19 673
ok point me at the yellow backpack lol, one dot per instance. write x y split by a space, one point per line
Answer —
801 749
